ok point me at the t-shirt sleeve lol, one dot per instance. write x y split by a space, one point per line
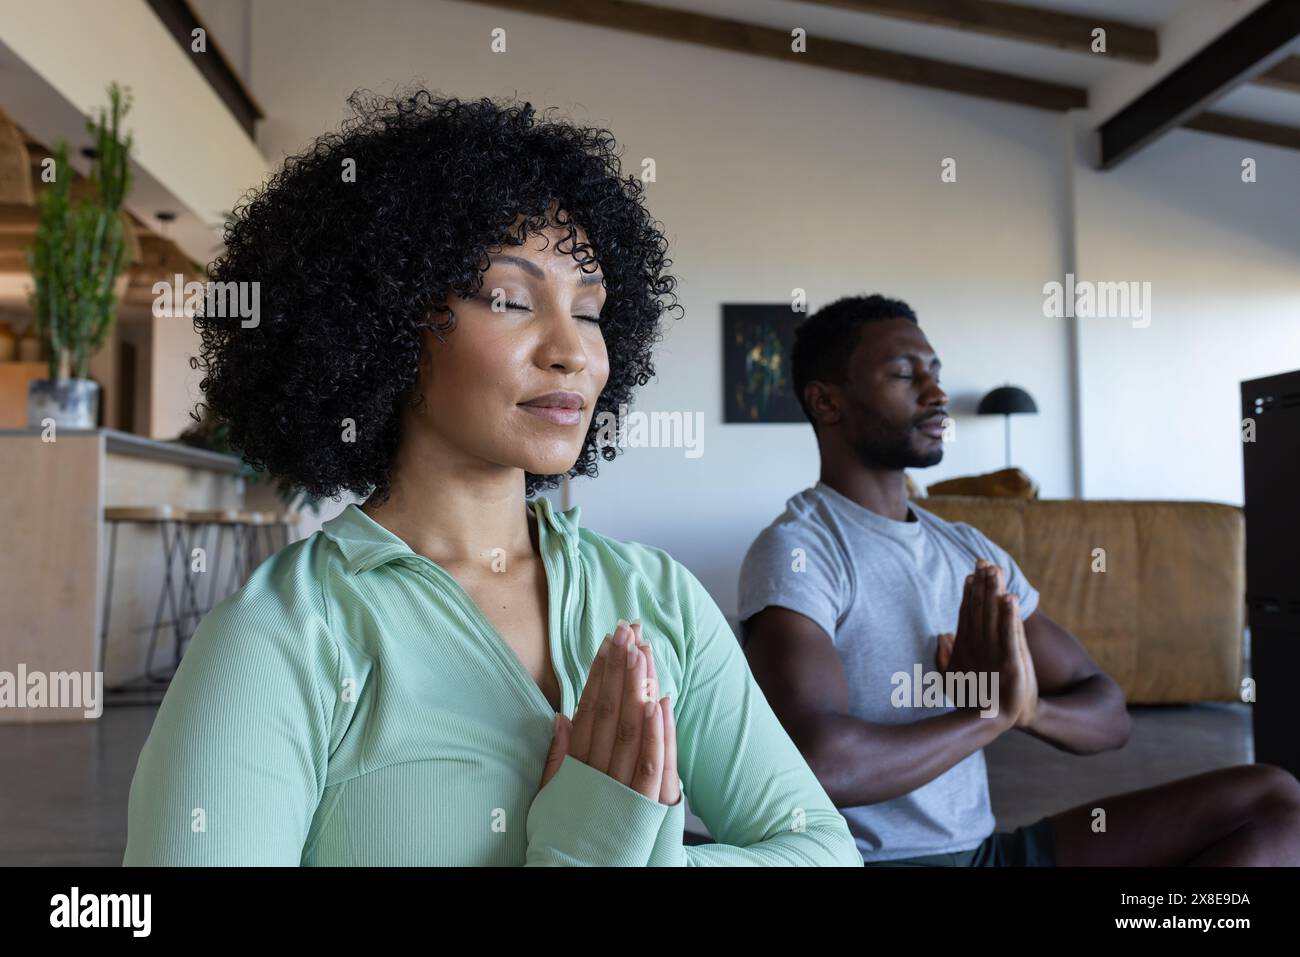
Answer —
235 764
740 771
1017 583
795 566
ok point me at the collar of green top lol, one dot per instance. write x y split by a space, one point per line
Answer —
365 544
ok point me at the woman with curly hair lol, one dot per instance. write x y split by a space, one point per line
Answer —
451 293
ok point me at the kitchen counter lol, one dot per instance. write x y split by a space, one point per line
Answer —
126 443
54 549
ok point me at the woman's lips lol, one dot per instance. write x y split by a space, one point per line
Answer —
561 408
557 414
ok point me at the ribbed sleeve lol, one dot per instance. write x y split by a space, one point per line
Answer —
235 764
669 850
742 774
583 817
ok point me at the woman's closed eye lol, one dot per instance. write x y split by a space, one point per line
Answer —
519 305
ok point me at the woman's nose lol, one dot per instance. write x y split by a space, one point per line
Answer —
562 346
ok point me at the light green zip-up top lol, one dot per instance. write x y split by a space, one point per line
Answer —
351 705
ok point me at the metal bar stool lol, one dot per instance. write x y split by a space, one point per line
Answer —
261 544
168 519
202 523
274 535
288 523
241 526
281 529
276 528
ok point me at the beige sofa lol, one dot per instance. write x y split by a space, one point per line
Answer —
1166 617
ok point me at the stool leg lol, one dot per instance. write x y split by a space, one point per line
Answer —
237 558
165 595
254 551
216 568
247 538
108 595
200 532
189 587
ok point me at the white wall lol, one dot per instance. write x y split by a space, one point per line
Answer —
774 176
1161 404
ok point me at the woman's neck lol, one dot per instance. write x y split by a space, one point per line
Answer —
457 514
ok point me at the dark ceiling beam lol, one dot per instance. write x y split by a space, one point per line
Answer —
737 36
181 22
1244 128
1066 31
1192 87
1284 76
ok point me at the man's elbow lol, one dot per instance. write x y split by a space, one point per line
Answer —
1123 727
815 740
1119 724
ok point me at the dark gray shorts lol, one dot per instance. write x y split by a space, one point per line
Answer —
1030 846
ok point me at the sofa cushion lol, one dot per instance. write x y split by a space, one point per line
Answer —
1165 618
1008 483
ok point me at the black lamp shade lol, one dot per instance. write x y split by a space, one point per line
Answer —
1007 400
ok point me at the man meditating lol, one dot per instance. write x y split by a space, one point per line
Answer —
854 585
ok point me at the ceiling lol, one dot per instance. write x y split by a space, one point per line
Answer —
1107 84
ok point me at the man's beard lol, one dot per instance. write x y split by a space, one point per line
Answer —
894 450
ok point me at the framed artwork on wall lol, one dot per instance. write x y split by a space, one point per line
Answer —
756 342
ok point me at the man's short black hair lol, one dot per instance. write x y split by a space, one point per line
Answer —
825 340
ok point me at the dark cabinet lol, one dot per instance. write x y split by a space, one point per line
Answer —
1270 411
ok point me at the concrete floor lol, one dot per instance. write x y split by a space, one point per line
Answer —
1029 779
64 796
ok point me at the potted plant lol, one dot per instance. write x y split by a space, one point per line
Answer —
79 253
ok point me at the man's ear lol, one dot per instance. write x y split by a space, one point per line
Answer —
823 402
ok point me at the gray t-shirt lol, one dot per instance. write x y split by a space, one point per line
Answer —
883 590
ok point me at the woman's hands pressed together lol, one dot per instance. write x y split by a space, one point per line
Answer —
621 727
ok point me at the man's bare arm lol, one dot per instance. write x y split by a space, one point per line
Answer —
1080 707
857 762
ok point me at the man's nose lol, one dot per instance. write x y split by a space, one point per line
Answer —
934 394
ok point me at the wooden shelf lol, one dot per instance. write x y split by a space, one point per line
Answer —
14 377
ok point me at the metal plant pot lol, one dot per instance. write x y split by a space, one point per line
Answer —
71 403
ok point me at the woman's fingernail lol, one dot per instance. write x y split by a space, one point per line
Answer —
622 623
633 653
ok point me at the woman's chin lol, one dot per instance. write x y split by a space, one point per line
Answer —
553 464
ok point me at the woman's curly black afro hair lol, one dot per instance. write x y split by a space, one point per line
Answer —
351 273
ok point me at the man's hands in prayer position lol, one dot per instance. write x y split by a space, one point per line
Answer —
991 638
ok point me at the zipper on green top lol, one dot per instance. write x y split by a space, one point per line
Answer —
500 646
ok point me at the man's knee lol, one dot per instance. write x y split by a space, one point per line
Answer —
1275 791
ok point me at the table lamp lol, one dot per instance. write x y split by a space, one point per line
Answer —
1007 400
